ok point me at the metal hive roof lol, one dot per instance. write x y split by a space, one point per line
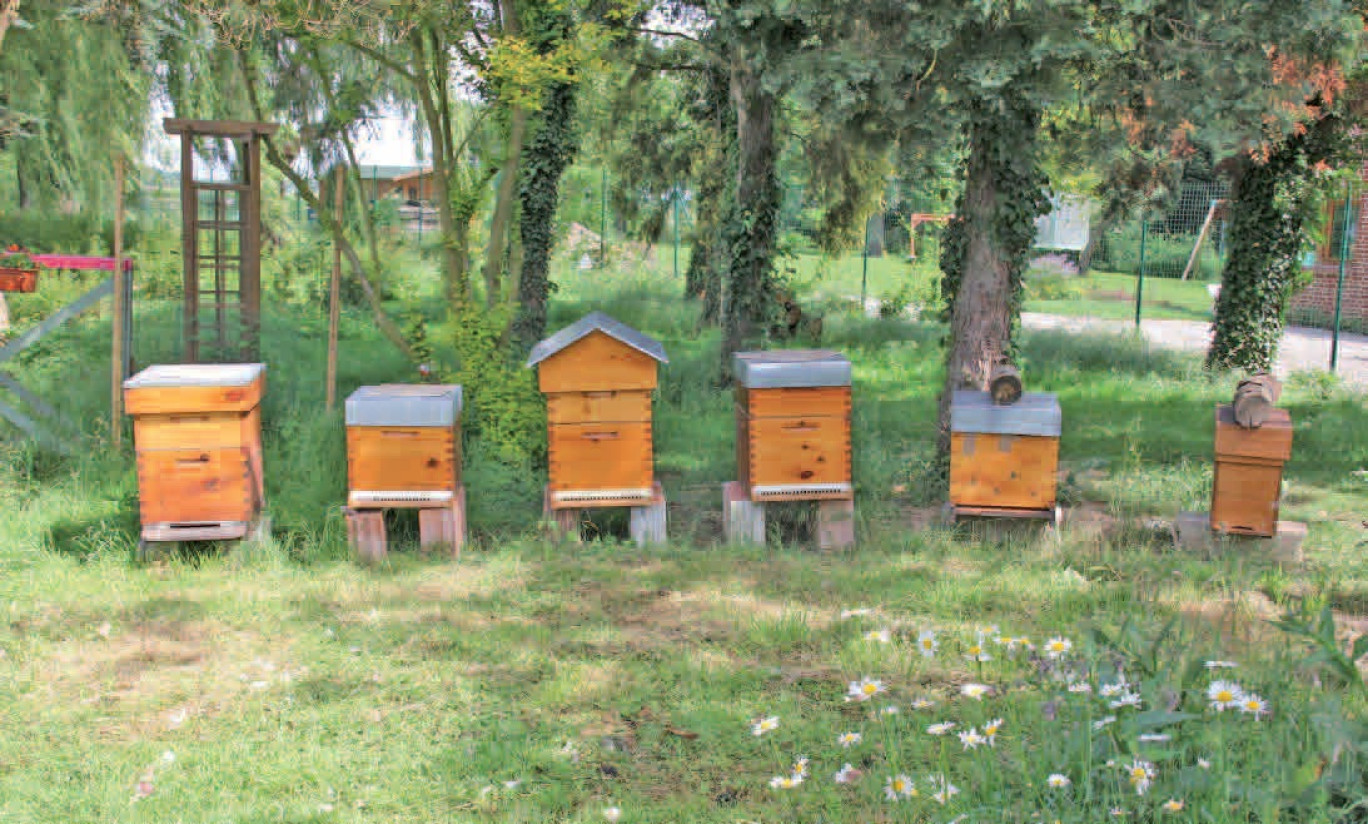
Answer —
597 322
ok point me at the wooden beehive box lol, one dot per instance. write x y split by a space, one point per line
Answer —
598 376
403 446
1248 479
197 432
1004 458
793 425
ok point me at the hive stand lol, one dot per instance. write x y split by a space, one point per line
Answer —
197 433
598 376
792 443
404 452
1004 460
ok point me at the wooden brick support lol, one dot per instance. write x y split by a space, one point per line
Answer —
835 524
566 522
648 522
444 526
366 533
743 520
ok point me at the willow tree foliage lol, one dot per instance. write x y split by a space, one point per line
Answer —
73 94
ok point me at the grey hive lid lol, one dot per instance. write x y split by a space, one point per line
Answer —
196 374
404 404
791 368
597 322
1037 413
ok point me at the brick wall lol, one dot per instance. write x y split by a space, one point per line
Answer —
1318 299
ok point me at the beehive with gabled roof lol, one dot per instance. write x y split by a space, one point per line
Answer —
598 375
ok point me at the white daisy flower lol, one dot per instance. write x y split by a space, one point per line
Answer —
1058 647
990 731
1154 737
947 790
1215 665
852 613
1102 723
976 652
1224 695
972 738
975 691
1141 775
1112 690
1080 687
899 787
865 689
922 703
846 775
942 728
881 636
927 643
1173 805
785 782
800 767
765 725
1203 763
1058 781
1117 812
1128 699
612 814
1251 704
849 739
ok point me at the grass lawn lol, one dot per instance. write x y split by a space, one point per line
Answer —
538 681
1112 296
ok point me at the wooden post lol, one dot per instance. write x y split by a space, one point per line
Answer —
1004 384
334 299
116 393
1201 238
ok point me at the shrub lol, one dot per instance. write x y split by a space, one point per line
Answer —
1052 277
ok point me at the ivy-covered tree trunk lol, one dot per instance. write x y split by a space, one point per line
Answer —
986 245
547 156
1268 210
752 220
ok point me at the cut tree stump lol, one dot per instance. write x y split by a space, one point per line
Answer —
1004 384
1255 399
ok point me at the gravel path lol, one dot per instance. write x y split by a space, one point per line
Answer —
1302 348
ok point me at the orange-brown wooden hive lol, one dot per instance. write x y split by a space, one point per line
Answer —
793 425
197 433
1248 480
403 446
1004 460
598 376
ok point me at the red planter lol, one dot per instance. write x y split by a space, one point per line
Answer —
18 280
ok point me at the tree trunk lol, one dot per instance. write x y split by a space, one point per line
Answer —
752 223
9 9
503 208
1266 215
987 243
548 155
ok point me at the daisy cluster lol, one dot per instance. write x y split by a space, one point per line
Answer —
976 725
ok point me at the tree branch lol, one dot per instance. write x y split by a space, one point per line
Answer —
273 156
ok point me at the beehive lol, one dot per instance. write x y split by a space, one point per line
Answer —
793 425
403 446
197 431
598 376
1248 478
1004 458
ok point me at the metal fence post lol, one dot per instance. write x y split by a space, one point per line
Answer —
864 271
1339 285
1140 282
603 215
676 231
